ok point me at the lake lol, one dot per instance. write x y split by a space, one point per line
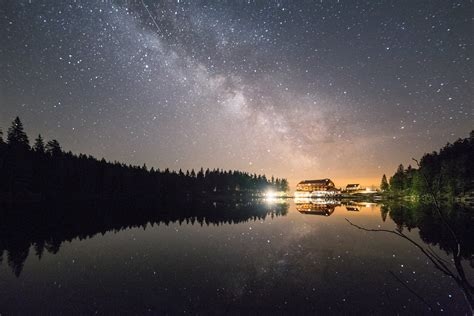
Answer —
264 256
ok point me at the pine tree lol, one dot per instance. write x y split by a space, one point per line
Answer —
1 137
398 179
418 184
284 185
39 145
384 184
200 174
16 135
53 148
277 184
400 169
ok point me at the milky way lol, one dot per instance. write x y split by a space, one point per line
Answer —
296 89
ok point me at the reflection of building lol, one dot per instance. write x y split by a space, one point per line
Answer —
352 208
357 206
316 206
352 187
321 187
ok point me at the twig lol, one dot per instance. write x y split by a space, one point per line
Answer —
437 262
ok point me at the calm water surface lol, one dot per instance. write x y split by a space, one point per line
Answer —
303 257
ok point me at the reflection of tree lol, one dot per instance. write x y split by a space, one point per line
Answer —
384 211
48 226
431 226
17 257
39 249
53 245
451 232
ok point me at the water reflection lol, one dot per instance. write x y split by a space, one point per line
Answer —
449 227
432 230
260 256
326 207
47 226
352 208
316 206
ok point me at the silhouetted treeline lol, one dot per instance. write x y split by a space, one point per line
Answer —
51 224
45 170
447 173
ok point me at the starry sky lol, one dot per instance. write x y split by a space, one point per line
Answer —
297 89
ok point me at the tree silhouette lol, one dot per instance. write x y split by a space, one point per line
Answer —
39 146
284 185
16 135
397 180
46 171
384 184
53 148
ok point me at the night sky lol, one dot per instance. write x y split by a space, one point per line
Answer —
297 89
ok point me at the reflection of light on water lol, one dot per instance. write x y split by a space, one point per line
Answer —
307 200
300 200
274 197
270 194
274 194
302 195
314 205
274 200
368 204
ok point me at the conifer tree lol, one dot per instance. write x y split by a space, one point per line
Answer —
53 148
39 146
16 135
384 184
398 179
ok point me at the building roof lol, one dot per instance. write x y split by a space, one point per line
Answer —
319 181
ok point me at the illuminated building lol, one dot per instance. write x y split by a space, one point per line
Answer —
321 187
352 187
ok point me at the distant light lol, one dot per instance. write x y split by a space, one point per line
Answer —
271 194
302 194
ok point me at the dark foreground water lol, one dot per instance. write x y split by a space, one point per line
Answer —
264 257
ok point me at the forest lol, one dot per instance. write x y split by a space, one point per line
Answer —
45 171
445 174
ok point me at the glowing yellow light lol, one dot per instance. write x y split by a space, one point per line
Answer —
271 194
302 194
